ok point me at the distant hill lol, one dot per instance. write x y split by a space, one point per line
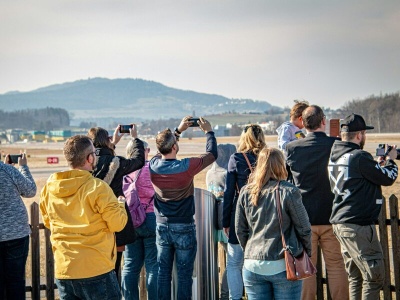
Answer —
133 99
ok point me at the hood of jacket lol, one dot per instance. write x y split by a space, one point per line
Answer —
340 148
67 183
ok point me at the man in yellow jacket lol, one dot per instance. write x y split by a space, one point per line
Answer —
82 214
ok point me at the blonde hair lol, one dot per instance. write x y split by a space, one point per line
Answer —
270 165
252 138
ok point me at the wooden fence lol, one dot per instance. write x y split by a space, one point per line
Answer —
390 245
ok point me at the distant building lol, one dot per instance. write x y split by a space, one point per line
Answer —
38 136
59 135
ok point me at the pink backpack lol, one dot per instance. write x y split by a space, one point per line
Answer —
138 212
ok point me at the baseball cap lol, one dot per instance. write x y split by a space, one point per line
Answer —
354 123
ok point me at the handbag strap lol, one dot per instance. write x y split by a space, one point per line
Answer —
248 162
278 208
250 167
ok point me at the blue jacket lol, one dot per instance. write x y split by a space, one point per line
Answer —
237 176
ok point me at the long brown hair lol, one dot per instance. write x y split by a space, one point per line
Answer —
252 138
270 165
100 138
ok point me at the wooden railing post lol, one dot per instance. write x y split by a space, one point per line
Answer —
35 248
394 228
383 237
50 286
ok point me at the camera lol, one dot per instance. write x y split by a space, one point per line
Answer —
194 120
14 158
382 151
125 128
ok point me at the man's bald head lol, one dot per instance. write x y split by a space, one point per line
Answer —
313 117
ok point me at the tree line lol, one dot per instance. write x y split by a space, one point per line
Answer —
45 119
382 112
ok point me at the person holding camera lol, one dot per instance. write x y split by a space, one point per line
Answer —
308 160
356 180
14 226
174 205
112 168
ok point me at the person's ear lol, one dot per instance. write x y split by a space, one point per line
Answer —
359 135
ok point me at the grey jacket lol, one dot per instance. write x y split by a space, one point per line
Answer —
14 183
257 227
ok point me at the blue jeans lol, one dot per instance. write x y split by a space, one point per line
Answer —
234 268
99 287
142 251
275 287
13 254
176 241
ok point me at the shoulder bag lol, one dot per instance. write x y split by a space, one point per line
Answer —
297 268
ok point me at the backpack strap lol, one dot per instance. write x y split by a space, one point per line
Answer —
136 177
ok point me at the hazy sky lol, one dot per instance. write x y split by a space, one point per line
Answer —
327 52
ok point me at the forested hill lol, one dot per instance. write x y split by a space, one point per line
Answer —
134 98
383 112
35 119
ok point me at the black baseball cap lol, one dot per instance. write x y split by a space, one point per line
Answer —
354 123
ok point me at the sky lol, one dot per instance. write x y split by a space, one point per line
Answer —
326 52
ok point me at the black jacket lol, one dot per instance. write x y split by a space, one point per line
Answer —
308 162
112 169
236 177
356 180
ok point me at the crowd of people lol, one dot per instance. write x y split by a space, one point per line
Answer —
327 190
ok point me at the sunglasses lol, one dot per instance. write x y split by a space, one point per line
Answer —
255 128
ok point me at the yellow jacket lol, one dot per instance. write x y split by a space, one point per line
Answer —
82 214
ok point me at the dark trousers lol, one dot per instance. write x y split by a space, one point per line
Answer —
13 255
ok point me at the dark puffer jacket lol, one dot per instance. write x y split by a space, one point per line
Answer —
112 169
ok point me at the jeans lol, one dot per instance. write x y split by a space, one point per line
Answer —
363 258
13 255
224 295
267 287
234 268
99 287
176 241
323 236
142 251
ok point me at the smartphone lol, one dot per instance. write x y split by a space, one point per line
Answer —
380 151
194 120
14 158
125 128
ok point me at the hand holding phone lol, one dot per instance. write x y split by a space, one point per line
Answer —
125 128
194 120
13 158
